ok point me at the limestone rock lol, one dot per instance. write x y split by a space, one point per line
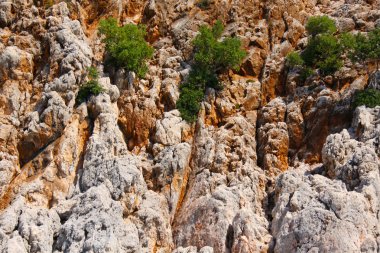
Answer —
273 137
171 129
306 217
94 222
123 172
38 227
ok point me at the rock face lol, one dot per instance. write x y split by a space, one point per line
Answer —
338 211
271 165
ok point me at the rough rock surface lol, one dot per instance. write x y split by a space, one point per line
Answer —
271 165
317 212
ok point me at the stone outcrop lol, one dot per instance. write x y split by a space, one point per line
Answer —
336 210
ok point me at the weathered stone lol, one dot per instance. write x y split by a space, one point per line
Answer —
95 222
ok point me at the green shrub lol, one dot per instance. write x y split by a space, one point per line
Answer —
93 73
361 48
126 45
189 102
374 42
92 87
293 59
211 57
320 25
368 97
324 52
216 55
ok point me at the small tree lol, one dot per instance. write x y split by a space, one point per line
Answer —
126 45
212 56
363 48
323 51
320 25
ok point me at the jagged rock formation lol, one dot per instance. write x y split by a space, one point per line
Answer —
270 165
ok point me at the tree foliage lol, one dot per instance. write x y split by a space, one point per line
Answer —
126 45
212 56
320 25
363 48
216 55
368 97
323 51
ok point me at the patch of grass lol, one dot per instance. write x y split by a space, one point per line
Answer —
48 3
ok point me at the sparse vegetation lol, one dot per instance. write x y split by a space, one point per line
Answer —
126 45
92 87
305 73
323 52
212 56
368 97
363 48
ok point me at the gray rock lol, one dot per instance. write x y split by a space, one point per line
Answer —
337 213
171 168
38 227
171 129
9 217
94 222
274 111
123 179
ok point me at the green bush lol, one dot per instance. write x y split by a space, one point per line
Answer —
189 102
93 73
323 52
126 45
216 55
361 48
293 59
368 97
374 41
320 25
92 87
212 56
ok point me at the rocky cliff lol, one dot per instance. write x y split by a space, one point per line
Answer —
269 166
